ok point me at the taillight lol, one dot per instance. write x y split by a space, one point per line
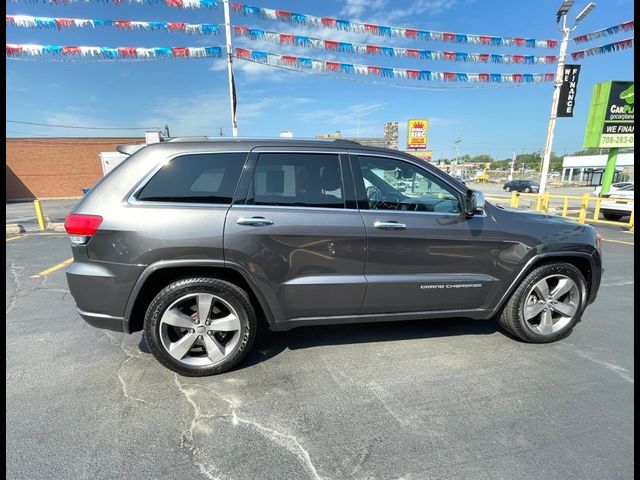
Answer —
81 227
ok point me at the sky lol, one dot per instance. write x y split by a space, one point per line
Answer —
191 95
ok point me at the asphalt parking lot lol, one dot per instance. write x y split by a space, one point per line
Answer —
437 399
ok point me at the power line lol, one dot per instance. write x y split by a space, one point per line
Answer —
81 127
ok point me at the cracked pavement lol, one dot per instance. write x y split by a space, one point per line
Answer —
442 399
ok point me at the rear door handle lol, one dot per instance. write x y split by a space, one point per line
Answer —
254 221
389 225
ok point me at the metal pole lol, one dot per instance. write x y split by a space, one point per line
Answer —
512 165
227 31
546 158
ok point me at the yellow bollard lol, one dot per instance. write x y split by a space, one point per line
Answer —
584 205
545 202
38 208
596 212
538 203
631 220
515 199
565 206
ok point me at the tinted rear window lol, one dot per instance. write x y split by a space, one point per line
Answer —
197 178
297 179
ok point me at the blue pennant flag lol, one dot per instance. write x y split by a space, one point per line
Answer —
424 75
109 52
496 77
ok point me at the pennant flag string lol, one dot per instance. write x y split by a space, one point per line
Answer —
383 30
367 49
170 3
605 32
111 53
24 21
609 48
355 69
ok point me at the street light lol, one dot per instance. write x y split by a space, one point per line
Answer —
561 14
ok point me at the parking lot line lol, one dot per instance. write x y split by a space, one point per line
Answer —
54 268
618 241
13 238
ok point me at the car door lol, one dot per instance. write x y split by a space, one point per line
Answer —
296 229
423 252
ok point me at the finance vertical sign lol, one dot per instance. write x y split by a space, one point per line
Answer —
417 134
568 90
611 116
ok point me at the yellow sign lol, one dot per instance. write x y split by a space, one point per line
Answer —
426 155
417 134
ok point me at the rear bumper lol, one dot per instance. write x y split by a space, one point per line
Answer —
101 290
106 322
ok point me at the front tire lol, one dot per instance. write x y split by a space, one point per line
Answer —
200 326
527 190
507 189
547 304
611 216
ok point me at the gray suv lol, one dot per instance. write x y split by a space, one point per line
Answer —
204 244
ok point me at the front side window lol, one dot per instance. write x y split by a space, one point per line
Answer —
298 180
198 178
392 184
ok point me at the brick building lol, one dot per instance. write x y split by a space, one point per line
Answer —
55 167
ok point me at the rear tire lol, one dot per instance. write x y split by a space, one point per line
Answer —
547 304
527 190
200 326
507 189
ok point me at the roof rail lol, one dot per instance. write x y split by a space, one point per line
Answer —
344 140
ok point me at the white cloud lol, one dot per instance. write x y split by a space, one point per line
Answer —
355 8
346 119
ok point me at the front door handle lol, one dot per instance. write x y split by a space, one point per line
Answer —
254 221
389 225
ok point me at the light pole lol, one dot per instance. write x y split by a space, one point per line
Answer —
560 15
232 87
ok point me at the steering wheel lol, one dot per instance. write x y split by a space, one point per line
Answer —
374 195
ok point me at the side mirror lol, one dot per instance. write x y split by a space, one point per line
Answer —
476 202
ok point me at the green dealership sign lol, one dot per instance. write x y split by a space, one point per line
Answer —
610 122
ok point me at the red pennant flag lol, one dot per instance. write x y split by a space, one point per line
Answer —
180 52
240 30
126 52
519 41
286 39
373 70
484 40
484 57
448 37
412 53
13 51
449 55
328 22
332 66
552 43
549 77
71 50
243 53
283 15
517 77
174 3
410 33
449 76
369 28
289 60
176 26
63 22
415 74
484 77
373 49
518 59
330 45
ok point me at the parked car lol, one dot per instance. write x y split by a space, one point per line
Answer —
527 186
205 244
614 187
618 203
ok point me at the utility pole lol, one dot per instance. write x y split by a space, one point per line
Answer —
560 15
512 165
232 88
221 132
457 145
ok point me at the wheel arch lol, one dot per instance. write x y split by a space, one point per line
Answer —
582 261
158 275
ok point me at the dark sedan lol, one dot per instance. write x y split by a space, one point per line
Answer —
527 186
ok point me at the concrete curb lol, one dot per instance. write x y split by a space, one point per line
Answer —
56 227
14 228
